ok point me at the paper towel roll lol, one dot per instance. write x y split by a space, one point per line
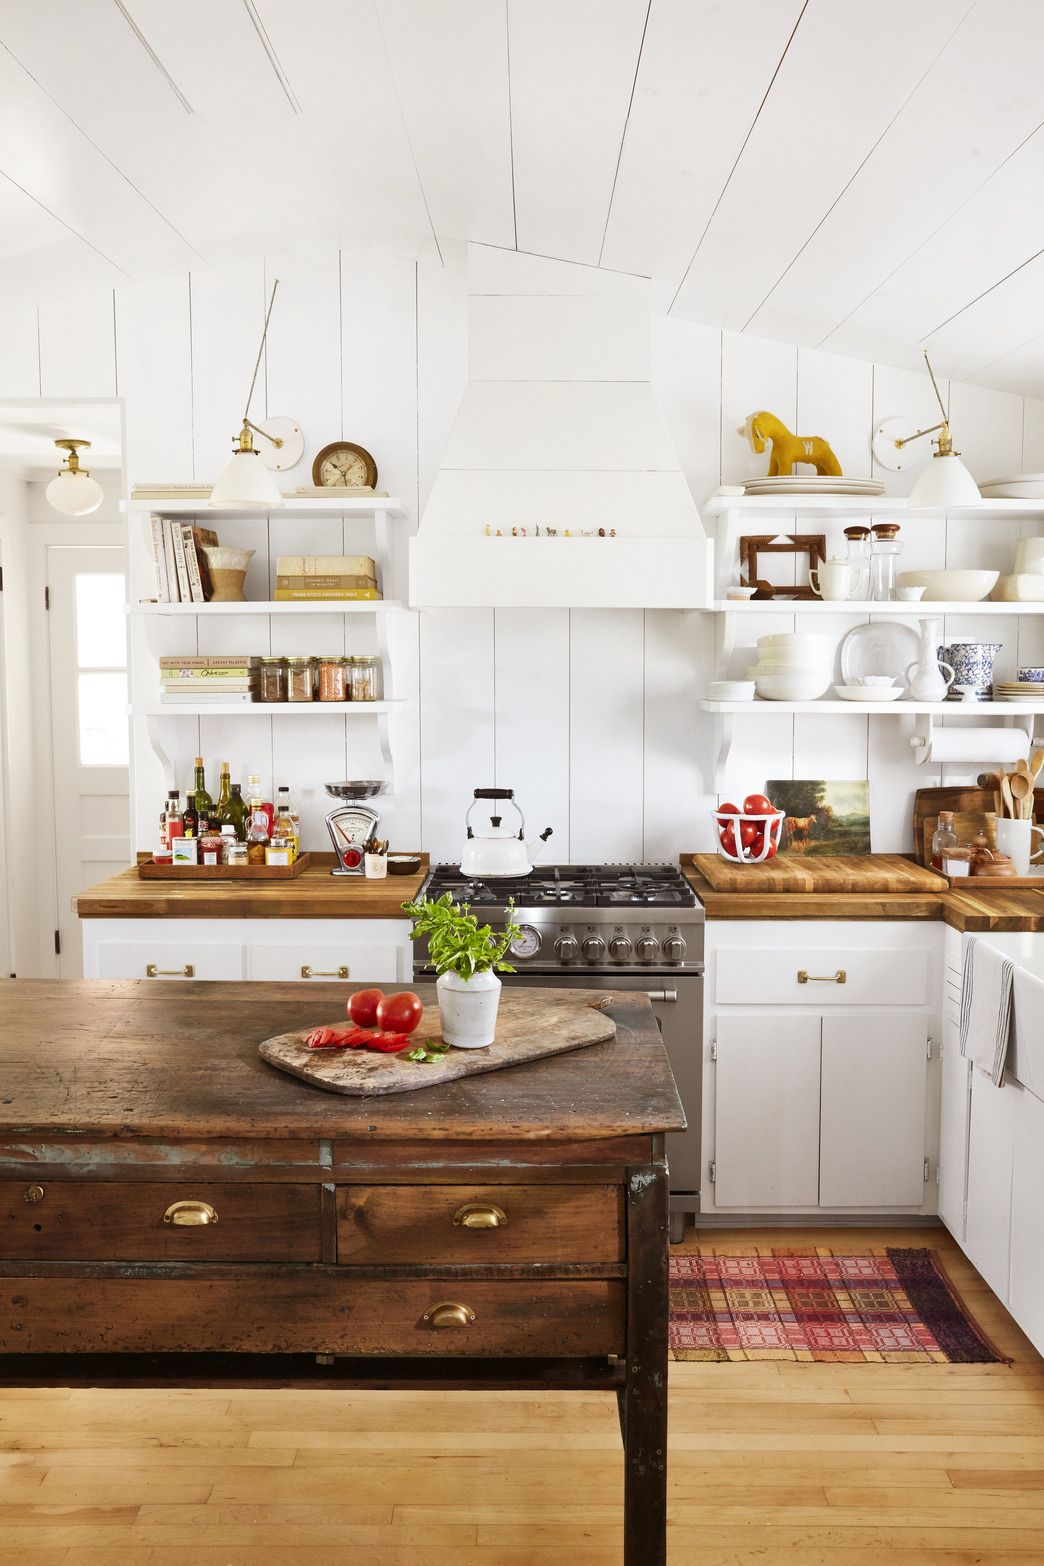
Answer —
973 745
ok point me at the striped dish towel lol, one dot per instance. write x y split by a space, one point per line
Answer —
986 1007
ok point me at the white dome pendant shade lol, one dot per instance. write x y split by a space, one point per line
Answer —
74 493
945 481
246 484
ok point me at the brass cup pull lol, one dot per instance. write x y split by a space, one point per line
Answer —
479 1215
152 972
448 1314
33 1193
190 1215
320 973
839 977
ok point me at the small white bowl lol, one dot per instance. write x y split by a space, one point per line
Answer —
909 595
730 690
869 692
793 687
739 593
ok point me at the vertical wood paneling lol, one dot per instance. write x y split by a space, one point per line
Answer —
987 428
677 777
442 344
607 733
77 350
228 314
20 359
154 371
531 694
303 355
835 398
686 373
457 748
755 374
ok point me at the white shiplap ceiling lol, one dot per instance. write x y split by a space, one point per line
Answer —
864 175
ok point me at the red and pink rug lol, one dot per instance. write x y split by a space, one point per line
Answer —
891 1306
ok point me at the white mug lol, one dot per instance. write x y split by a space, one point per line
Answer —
1015 838
833 580
375 866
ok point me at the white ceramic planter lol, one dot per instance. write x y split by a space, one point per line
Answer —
468 1008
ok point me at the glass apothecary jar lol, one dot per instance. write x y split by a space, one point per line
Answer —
300 679
857 554
273 682
364 678
885 551
333 679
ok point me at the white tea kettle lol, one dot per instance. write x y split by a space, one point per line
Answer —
499 850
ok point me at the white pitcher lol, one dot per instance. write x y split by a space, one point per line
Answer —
833 580
928 679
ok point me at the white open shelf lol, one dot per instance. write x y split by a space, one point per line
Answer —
293 506
942 709
755 506
266 709
923 609
258 606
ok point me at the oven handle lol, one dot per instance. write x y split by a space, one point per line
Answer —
662 995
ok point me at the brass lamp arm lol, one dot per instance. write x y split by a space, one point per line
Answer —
918 433
276 440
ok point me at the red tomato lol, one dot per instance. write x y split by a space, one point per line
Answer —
362 1008
758 805
750 832
400 1013
728 810
770 852
727 840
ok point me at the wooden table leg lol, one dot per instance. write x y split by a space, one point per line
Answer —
645 1393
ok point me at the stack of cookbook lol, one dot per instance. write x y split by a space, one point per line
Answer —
227 678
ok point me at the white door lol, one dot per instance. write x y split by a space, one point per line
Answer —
991 1134
766 1111
874 1084
89 728
1027 1220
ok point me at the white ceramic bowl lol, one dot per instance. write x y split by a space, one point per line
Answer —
730 690
869 692
956 586
872 679
793 687
797 641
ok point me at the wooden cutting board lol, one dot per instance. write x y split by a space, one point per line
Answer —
855 873
531 1025
972 812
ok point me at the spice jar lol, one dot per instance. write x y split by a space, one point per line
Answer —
299 679
364 678
273 679
210 848
333 679
956 861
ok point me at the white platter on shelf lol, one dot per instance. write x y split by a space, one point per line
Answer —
869 695
879 649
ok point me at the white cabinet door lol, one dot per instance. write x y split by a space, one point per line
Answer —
874 1084
834 975
358 962
991 1136
1026 1301
165 959
766 1115
953 1131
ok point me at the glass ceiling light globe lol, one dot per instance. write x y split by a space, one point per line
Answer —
246 484
74 493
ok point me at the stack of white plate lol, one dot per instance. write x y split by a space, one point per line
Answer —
1023 486
793 666
812 484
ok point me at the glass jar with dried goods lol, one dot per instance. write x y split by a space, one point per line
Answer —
299 679
364 678
333 679
273 680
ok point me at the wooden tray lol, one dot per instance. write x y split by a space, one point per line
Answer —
859 873
972 812
148 870
531 1025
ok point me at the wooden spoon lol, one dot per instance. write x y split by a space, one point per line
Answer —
1036 762
1006 795
1020 786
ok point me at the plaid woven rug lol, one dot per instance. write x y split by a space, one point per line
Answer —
895 1307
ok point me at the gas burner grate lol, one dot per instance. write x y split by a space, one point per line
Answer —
555 886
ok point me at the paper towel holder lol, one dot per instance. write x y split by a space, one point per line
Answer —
922 743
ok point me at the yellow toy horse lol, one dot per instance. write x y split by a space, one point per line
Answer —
788 449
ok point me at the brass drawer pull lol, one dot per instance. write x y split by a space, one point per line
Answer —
152 972
447 1314
479 1215
840 977
33 1193
190 1215
320 973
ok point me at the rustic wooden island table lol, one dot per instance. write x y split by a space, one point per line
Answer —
174 1211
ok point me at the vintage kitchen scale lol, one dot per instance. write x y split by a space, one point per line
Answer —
353 822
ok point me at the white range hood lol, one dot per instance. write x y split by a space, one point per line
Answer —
558 428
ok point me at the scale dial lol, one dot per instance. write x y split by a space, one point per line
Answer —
350 827
527 942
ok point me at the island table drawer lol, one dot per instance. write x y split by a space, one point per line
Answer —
310 1310
98 1220
450 1224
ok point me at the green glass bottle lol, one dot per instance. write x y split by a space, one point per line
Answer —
224 793
235 813
204 803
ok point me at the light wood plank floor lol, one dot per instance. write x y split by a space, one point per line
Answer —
771 1465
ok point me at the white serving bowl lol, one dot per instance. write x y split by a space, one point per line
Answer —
730 690
793 687
869 692
798 641
956 586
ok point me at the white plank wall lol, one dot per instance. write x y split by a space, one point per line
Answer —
589 715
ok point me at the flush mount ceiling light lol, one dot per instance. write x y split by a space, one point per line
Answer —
945 480
74 493
247 484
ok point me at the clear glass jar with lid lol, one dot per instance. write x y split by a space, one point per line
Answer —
333 678
300 682
857 554
884 553
364 678
273 680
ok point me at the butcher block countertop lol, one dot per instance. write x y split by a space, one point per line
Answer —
314 894
993 908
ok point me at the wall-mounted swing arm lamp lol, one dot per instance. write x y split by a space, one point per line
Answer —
247 484
945 481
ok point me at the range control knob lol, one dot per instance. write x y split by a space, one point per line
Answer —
620 947
674 948
567 948
594 948
647 948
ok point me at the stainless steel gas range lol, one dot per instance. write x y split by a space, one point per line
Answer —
617 927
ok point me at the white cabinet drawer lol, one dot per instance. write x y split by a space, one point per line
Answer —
354 961
770 976
168 960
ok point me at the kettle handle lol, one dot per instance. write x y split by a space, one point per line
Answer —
496 793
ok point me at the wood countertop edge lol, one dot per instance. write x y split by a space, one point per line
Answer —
314 895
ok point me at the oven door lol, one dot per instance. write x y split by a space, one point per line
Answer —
677 1003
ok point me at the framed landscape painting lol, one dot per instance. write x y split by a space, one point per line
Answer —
822 817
